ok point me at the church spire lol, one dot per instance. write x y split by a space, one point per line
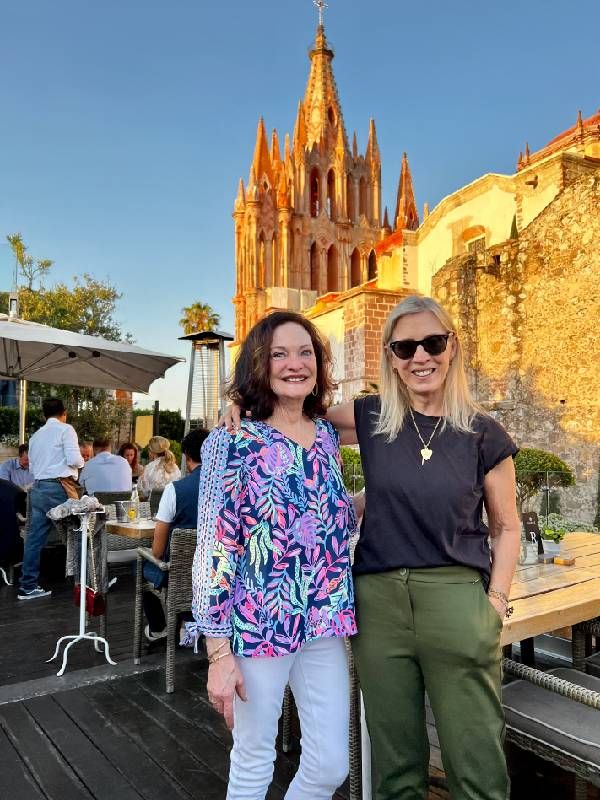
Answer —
323 112
407 216
261 163
299 129
275 154
373 155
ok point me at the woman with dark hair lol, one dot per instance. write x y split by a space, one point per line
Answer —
129 452
272 585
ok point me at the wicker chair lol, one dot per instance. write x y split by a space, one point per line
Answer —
556 719
154 499
178 593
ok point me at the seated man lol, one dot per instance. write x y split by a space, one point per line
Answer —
178 509
105 472
16 470
12 502
87 450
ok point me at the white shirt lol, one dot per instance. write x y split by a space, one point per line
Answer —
106 473
167 507
54 451
155 476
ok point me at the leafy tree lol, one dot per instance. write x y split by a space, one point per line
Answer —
170 423
88 307
199 317
532 466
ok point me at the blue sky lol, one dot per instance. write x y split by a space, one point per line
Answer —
127 125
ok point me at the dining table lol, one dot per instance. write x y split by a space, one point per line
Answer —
547 597
139 529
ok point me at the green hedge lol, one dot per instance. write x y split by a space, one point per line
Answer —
9 420
352 469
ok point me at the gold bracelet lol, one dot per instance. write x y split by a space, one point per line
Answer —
213 660
217 649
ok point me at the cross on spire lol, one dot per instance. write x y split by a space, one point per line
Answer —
321 5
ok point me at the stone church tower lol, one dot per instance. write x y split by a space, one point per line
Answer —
309 220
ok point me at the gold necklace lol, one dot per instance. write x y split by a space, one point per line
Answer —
426 451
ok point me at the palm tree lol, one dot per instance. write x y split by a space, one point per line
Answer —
199 317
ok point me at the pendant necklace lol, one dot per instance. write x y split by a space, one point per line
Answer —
426 451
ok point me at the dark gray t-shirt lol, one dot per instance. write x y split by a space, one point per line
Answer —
425 515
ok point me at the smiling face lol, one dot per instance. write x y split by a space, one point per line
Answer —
423 374
293 365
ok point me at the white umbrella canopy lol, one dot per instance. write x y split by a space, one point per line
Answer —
33 352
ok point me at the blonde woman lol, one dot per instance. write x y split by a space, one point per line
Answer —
431 593
161 468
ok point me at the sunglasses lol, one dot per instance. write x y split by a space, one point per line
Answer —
406 348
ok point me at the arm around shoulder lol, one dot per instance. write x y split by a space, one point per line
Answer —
342 418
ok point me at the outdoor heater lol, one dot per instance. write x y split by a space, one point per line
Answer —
205 395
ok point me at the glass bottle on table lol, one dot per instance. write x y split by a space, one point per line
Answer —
133 513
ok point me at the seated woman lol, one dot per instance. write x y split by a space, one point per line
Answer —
162 468
178 509
130 453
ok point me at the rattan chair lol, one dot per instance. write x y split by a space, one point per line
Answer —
154 499
177 595
556 719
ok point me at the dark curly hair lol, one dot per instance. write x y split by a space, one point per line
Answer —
250 386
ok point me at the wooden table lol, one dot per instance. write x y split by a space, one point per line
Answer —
546 597
142 529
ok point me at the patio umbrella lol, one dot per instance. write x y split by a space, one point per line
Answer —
34 352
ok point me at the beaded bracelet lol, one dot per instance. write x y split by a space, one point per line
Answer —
508 610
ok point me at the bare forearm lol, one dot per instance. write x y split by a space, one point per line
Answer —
505 553
217 643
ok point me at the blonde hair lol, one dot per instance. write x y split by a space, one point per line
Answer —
458 407
161 448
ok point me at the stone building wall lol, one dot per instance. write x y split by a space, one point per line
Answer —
365 310
528 313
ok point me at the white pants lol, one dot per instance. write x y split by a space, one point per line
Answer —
318 677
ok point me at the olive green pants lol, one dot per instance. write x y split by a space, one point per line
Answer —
434 631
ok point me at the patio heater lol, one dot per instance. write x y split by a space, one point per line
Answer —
205 398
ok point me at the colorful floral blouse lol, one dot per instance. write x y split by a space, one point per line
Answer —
272 565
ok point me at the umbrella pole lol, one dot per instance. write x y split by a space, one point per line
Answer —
22 409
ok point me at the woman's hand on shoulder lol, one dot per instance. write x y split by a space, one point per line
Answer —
224 681
232 417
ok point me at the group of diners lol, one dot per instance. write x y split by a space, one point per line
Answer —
58 466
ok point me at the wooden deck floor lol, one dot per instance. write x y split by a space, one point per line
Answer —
92 734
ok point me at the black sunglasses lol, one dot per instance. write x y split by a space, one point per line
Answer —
434 345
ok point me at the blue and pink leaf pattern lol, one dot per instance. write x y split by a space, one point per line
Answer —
280 565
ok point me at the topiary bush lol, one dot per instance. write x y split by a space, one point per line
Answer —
532 467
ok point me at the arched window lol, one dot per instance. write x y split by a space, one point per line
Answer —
331 211
314 267
332 269
260 278
331 115
362 197
350 198
355 268
372 265
315 192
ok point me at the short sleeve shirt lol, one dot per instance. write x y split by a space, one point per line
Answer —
425 514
